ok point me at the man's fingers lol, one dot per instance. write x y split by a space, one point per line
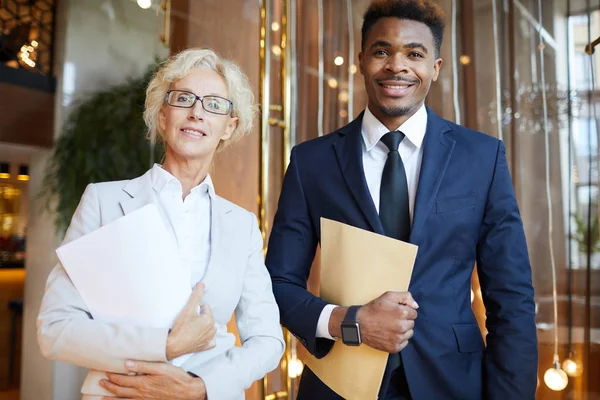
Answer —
405 325
401 298
402 346
407 312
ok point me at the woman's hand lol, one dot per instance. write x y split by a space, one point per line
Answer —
192 332
153 381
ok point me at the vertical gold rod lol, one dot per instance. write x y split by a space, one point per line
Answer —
166 36
264 99
286 99
321 68
350 61
288 357
288 23
286 79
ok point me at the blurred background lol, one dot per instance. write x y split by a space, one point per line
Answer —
72 80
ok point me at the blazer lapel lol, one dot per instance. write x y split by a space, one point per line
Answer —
348 148
140 192
220 225
437 152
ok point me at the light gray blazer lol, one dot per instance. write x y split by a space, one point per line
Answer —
236 281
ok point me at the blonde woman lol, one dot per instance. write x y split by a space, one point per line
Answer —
196 105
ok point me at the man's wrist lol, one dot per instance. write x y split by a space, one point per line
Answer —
335 321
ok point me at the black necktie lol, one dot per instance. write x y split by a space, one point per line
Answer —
393 201
395 218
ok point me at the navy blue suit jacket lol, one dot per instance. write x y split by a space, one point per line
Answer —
465 214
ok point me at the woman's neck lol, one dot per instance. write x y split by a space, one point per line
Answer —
190 173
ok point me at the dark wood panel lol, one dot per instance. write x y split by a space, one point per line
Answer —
26 116
231 29
202 24
179 26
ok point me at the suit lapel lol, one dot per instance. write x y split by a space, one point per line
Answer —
140 192
220 227
437 152
348 149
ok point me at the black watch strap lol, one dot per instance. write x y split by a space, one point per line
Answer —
351 314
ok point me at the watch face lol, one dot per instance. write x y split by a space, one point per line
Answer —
350 334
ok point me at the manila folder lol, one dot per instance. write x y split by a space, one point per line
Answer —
358 266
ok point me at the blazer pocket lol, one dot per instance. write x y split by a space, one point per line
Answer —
468 338
456 203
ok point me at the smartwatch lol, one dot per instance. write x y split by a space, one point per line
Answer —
351 328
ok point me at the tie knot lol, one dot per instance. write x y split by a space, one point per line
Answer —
392 140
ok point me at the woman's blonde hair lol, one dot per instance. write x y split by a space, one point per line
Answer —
177 67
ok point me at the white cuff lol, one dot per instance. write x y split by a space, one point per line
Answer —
323 323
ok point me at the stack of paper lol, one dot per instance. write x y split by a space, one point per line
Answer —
129 271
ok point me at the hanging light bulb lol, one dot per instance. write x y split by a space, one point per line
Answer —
144 4
295 368
555 378
572 367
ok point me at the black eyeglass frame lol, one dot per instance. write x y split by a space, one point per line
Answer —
201 98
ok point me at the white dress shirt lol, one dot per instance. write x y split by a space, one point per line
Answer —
374 156
188 218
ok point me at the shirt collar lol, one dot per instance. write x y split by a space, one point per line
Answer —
162 179
413 128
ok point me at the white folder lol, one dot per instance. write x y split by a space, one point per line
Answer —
129 271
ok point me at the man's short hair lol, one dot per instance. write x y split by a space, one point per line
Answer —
424 11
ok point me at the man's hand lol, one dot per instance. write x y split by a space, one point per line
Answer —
154 381
386 323
192 332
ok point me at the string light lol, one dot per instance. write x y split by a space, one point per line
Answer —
295 368
276 50
572 367
145 4
555 378
26 55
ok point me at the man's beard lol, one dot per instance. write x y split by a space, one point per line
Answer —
396 111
